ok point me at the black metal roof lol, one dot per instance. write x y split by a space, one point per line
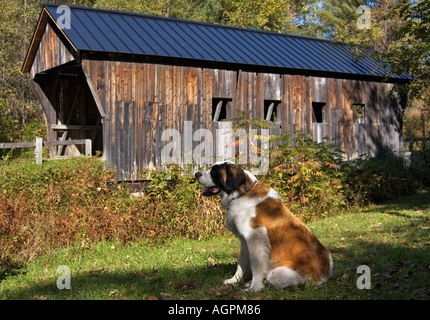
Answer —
105 32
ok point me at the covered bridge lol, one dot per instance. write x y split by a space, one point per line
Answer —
124 80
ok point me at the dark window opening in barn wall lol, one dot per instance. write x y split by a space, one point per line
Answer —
319 121
318 112
221 108
358 112
271 110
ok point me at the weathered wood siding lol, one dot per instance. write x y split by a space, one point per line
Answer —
51 53
142 100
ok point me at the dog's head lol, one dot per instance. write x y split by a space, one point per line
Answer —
226 179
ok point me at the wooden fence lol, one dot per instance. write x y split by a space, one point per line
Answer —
37 145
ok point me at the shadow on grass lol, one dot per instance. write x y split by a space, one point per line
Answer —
397 250
201 282
417 201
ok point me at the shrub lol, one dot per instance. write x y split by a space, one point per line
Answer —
378 179
420 166
176 201
307 175
76 201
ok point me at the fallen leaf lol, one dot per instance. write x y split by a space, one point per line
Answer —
165 296
222 291
95 271
186 285
40 298
236 295
113 292
224 288
211 262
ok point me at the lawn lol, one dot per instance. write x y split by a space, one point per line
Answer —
392 239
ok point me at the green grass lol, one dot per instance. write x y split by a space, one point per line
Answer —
393 239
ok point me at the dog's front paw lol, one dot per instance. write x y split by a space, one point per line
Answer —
231 281
255 287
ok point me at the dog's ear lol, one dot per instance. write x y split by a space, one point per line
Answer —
227 176
235 177
218 175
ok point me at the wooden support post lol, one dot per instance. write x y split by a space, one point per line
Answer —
38 150
88 147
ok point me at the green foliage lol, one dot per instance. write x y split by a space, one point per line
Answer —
378 179
43 207
409 52
174 197
339 20
307 175
420 167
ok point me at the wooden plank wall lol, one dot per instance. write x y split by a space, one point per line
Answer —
141 100
51 53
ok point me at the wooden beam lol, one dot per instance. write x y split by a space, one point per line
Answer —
38 150
93 90
217 111
11 145
270 111
65 127
64 143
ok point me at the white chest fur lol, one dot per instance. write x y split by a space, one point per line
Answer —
239 214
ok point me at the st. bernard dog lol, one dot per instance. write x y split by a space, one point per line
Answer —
276 247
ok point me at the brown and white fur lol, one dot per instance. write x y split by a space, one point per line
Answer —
276 247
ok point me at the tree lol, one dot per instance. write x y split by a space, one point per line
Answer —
183 9
18 105
343 21
272 15
410 52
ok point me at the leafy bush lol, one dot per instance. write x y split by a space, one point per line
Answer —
43 207
420 166
178 206
378 179
307 175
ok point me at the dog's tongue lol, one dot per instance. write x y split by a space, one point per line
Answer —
207 192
